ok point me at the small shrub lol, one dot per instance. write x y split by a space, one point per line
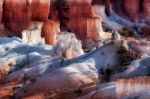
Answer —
127 32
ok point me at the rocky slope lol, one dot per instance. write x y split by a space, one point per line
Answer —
80 60
30 71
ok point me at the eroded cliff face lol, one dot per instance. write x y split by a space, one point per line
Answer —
128 13
1 14
146 7
49 31
83 20
135 9
18 16
1 11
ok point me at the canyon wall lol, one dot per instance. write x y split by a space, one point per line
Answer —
18 16
128 12
133 9
146 7
49 31
1 10
1 14
83 20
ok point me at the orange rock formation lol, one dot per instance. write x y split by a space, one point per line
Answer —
50 30
82 19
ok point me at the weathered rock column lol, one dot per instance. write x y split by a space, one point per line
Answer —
50 30
83 20
1 15
131 8
146 8
18 14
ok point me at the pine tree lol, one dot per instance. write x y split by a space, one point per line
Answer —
62 8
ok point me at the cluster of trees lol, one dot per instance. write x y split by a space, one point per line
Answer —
62 8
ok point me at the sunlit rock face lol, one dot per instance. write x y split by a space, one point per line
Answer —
41 12
50 30
22 11
16 15
82 71
83 20
19 14
68 45
75 2
26 64
32 36
86 28
1 10
1 14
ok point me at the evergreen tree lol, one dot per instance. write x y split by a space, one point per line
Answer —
62 8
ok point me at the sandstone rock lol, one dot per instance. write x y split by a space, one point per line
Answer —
50 30
132 87
13 26
86 28
16 11
103 91
32 36
124 88
1 15
20 14
18 27
2 27
131 8
134 10
139 46
40 9
79 2
146 5
68 45
77 78
1 10
80 11
137 68
83 21
8 91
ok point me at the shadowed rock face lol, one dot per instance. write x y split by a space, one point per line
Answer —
135 9
128 12
131 8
